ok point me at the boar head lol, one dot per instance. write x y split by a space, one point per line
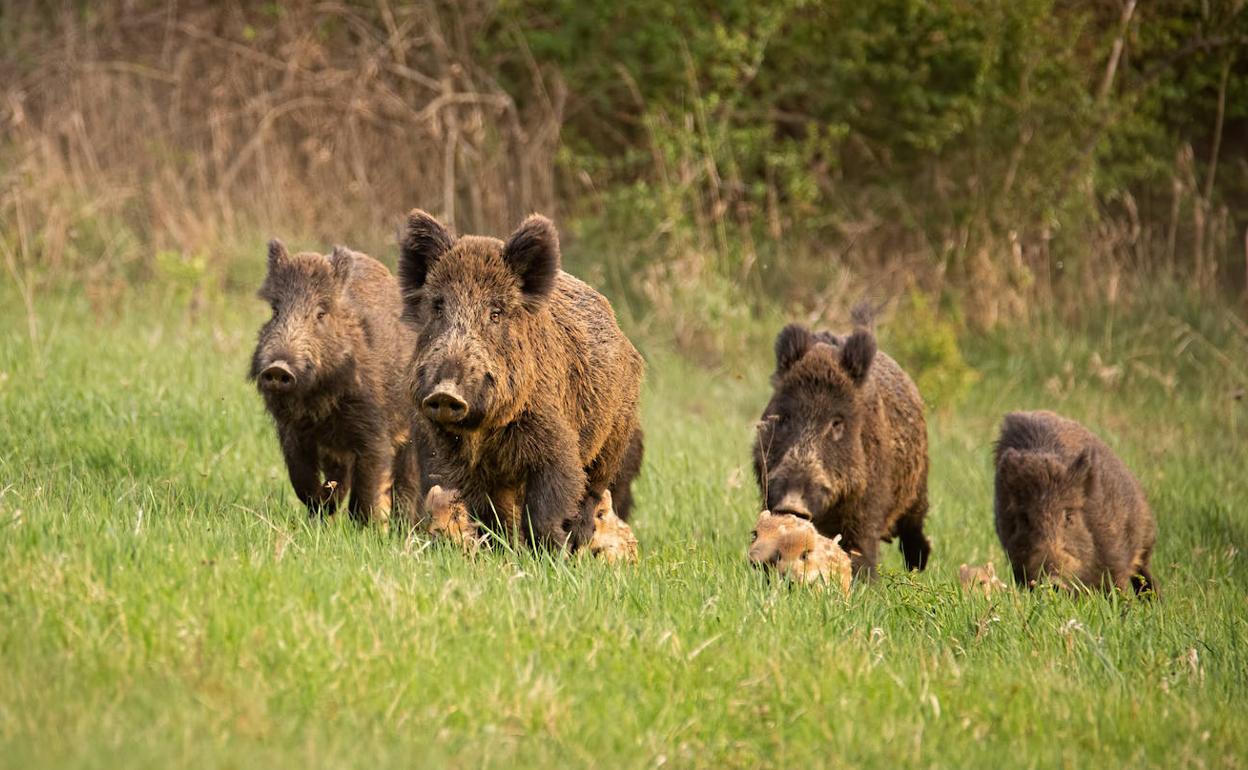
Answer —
479 306
309 338
1045 499
808 455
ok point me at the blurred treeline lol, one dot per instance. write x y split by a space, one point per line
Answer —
703 158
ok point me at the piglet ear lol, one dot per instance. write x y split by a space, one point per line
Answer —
532 252
277 253
857 354
423 241
793 342
343 262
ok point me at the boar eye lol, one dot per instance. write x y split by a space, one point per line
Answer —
1069 515
321 312
437 307
837 428
496 314
753 536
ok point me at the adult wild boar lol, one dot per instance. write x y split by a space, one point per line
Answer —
527 387
843 443
1067 508
324 364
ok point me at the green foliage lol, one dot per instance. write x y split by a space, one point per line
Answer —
949 127
183 274
926 346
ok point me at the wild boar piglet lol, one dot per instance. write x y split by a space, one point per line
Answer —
794 549
983 579
447 517
613 539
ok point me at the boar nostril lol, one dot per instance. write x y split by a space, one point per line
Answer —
277 377
445 405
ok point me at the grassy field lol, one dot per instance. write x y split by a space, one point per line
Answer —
164 601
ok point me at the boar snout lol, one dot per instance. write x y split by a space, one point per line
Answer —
277 377
446 404
794 505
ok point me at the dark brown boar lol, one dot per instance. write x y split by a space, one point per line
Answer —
524 382
1067 508
843 443
325 364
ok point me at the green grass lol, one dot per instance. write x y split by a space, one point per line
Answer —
164 602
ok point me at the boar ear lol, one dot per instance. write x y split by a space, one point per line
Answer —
857 354
532 252
343 262
1012 476
1009 463
422 242
1009 459
1079 472
792 343
277 253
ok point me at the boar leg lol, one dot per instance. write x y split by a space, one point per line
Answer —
622 447
505 505
622 484
552 499
915 547
1142 581
582 530
1142 578
405 492
303 466
866 556
336 469
370 494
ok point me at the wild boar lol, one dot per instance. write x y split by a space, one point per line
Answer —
525 384
324 366
1068 509
843 443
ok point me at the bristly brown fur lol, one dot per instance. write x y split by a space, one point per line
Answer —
1067 508
548 381
342 427
843 442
